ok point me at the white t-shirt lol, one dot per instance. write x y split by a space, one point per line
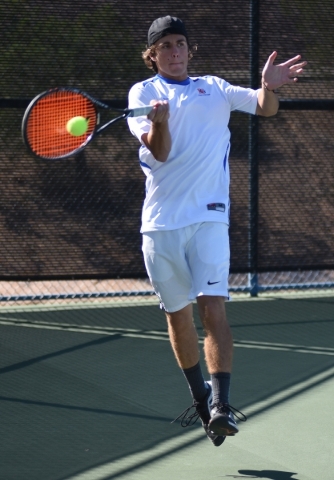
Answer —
193 184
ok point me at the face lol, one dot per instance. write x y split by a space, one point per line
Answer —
171 57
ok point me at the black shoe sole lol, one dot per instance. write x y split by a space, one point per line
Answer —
219 426
218 440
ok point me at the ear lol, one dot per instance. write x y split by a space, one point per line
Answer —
152 54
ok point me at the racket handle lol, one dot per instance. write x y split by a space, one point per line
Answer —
139 111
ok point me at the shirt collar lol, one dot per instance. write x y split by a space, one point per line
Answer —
173 82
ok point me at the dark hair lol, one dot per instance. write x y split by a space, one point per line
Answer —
150 51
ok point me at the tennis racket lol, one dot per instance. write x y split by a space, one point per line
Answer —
44 125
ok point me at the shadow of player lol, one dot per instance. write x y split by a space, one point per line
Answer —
269 474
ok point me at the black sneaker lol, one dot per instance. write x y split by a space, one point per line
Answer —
222 419
202 411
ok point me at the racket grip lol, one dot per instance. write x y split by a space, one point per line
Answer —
140 111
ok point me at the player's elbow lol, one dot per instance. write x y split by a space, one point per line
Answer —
271 113
159 145
160 154
268 111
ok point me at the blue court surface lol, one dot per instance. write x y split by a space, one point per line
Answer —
89 392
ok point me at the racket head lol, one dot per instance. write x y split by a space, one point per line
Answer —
44 123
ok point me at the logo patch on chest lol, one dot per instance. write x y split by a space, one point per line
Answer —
202 92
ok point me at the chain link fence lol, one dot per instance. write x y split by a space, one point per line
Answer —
70 229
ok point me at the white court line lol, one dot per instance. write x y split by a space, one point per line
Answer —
137 460
158 335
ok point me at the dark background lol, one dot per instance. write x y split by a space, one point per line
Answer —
80 218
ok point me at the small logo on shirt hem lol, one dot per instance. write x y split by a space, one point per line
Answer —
219 207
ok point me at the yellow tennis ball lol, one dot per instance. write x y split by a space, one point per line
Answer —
77 126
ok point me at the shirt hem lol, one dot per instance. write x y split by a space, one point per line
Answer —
155 228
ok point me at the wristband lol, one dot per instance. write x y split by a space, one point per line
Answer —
265 86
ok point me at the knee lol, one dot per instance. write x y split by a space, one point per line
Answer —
211 308
180 321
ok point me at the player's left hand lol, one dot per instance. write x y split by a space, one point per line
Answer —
274 76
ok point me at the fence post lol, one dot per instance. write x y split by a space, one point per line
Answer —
253 152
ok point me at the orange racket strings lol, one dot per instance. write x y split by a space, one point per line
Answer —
46 126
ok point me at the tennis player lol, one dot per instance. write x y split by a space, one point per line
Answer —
185 145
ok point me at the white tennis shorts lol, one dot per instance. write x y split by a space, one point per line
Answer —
188 262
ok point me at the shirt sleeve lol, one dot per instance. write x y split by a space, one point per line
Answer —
139 97
240 98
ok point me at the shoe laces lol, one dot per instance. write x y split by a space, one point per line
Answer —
225 407
188 419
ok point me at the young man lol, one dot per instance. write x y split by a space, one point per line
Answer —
185 144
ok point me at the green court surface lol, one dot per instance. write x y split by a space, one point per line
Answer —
89 393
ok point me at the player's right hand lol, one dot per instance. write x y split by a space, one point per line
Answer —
160 111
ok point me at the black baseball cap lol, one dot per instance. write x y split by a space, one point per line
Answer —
165 26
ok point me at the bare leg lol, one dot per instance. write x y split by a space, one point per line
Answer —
218 348
183 337
184 340
218 344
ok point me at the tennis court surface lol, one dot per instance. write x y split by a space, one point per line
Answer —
89 393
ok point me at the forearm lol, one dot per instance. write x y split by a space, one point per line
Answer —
267 102
158 141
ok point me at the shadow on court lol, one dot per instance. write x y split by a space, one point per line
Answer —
269 474
81 388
